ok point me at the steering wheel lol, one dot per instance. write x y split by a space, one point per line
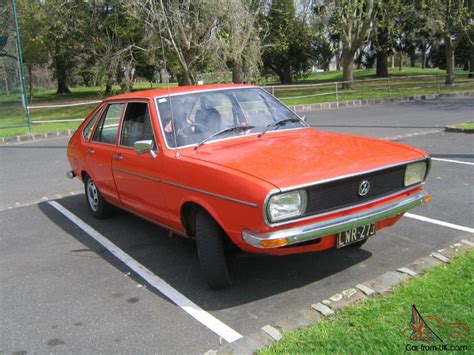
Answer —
180 132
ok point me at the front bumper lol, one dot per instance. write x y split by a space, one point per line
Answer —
300 234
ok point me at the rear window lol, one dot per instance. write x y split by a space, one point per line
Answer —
87 132
107 129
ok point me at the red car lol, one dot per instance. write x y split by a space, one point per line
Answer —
230 165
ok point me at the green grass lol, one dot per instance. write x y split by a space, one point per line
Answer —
466 125
13 120
376 325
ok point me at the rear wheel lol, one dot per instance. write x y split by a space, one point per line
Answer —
98 206
210 248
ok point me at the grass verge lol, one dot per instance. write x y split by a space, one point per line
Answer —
13 120
376 325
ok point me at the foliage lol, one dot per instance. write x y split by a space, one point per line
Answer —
289 44
376 326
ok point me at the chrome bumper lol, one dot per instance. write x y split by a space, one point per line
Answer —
332 226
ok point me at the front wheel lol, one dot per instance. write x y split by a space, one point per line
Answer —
210 248
98 206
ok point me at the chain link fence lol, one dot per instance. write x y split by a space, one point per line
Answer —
13 104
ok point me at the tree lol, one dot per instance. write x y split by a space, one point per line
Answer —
114 40
35 50
64 38
352 21
241 43
289 43
190 29
452 20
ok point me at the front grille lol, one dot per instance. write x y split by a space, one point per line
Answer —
345 192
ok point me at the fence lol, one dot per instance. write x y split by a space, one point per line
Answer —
369 88
13 110
68 116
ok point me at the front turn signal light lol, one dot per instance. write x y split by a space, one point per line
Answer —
427 198
273 243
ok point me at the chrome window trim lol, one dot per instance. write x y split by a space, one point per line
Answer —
251 204
156 98
297 187
105 109
142 101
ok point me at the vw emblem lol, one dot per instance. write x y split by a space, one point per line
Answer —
364 188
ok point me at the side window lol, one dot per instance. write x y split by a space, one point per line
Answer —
87 131
107 129
136 124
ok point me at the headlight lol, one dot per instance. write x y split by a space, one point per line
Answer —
415 173
286 205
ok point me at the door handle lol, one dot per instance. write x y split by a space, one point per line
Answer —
117 157
90 151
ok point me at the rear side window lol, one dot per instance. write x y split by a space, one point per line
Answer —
107 129
136 124
86 133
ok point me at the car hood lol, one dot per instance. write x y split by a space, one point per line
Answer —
298 157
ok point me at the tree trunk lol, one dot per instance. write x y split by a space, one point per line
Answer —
423 56
237 72
382 65
347 62
284 74
30 83
61 74
449 62
471 61
400 60
185 79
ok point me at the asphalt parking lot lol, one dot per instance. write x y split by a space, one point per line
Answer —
61 291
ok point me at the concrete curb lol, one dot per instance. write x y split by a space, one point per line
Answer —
381 285
370 102
296 108
455 129
37 136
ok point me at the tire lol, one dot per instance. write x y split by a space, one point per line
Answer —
98 207
210 249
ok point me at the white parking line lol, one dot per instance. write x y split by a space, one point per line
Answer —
440 223
205 318
453 161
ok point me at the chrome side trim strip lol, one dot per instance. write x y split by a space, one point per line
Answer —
210 193
187 187
137 174
333 226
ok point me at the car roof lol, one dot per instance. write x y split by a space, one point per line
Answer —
147 94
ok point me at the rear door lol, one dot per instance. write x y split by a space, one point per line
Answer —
100 148
137 176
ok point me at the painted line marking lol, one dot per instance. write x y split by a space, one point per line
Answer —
203 317
408 135
441 223
453 161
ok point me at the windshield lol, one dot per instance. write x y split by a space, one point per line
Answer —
198 116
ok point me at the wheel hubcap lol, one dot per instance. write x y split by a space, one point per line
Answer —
92 195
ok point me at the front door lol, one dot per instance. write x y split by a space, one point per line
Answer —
137 176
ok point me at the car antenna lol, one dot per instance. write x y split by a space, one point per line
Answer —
176 151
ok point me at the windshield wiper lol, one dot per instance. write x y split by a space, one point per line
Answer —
279 123
235 129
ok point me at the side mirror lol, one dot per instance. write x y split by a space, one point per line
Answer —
143 147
